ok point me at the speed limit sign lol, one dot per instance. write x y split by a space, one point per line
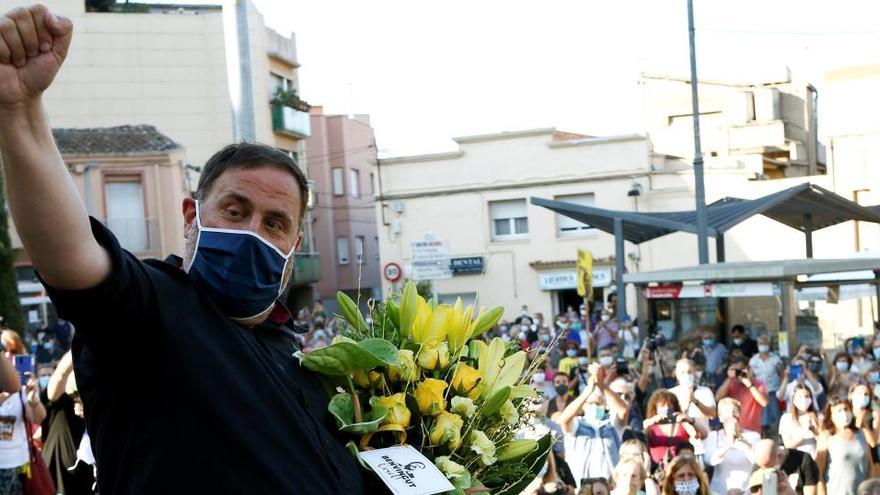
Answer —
392 272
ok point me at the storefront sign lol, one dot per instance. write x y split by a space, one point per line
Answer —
462 266
430 260
568 280
752 289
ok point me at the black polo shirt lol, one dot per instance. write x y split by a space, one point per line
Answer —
179 399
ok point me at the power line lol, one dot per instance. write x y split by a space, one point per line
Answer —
788 33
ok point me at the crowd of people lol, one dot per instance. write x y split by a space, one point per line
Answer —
699 416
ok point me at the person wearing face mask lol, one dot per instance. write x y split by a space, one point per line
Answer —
628 477
684 476
740 341
841 376
606 331
807 376
569 362
666 426
579 375
865 419
697 402
595 422
843 450
799 427
561 387
214 319
714 352
860 359
730 449
768 367
749 391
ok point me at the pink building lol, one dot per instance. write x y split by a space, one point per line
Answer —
341 163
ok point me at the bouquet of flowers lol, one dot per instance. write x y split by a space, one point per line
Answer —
419 376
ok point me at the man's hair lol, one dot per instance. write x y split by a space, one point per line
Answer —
250 155
738 329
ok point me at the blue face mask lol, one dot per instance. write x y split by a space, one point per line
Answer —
708 342
874 376
44 382
240 271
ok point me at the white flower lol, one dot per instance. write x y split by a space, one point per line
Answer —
484 447
463 406
509 413
449 467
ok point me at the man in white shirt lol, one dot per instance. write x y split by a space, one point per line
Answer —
697 402
767 367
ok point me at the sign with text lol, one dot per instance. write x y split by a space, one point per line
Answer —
751 289
406 471
430 260
601 277
463 266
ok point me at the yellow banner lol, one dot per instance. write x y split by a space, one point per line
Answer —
585 273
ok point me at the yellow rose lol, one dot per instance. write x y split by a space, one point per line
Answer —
429 395
405 371
484 447
447 430
466 381
372 379
434 357
398 413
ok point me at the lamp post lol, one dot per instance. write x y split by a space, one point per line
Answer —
702 223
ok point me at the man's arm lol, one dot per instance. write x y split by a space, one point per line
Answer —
58 381
48 214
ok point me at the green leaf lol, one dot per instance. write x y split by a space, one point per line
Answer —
534 461
409 306
392 312
350 312
488 321
345 356
342 407
352 447
495 401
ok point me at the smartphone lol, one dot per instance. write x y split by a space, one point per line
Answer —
794 372
768 486
24 364
622 367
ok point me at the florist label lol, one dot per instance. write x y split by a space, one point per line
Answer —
406 471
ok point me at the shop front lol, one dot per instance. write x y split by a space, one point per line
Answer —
561 287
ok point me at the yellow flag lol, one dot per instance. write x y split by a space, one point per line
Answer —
585 273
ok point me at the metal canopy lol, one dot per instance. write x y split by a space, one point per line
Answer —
805 207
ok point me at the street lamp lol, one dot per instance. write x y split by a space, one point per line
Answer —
702 222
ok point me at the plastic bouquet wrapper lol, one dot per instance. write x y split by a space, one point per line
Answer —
420 377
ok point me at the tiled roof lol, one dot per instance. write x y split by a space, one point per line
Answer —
125 139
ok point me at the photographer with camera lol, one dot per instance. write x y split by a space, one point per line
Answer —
730 449
667 426
749 391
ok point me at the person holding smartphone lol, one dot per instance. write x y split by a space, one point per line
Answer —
749 391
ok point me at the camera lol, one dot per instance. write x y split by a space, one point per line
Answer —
655 340
622 367
668 419
741 373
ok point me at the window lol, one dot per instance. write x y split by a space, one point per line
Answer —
359 250
372 184
342 250
126 218
570 226
277 82
338 186
509 219
354 182
377 246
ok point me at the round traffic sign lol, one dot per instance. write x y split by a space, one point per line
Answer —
392 272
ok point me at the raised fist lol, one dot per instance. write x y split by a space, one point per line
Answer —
33 46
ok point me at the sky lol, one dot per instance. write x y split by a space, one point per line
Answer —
427 71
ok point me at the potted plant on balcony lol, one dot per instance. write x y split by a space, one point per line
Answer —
289 98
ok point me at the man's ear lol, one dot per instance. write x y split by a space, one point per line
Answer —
189 213
299 239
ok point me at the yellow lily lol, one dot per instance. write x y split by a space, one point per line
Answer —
398 413
434 358
429 396
459 326
447 430
466 381
430 325
496 370
406 369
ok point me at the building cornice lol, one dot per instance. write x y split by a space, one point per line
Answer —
497 136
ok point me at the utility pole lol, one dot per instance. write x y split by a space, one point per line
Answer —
702 222
239 69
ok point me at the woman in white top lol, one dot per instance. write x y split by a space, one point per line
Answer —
14 451
799 427
729 450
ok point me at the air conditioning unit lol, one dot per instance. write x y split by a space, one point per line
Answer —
395 227
398 205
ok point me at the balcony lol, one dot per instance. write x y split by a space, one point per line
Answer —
291 121
306 268
139 236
